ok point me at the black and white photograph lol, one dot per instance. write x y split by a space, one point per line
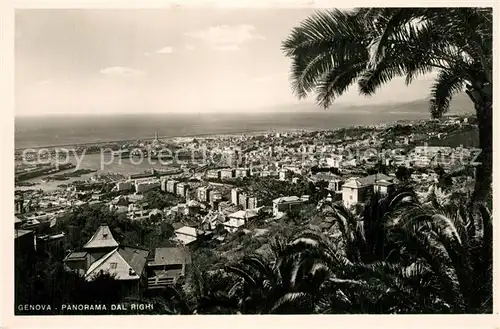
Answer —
210 160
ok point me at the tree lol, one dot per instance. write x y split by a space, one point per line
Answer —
363 236
273 286
332 50
403 174
157 200
434 259
454 246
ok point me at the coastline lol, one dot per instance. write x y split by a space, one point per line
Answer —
90 131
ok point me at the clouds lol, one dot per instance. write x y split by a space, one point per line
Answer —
120 71
226 37
165 50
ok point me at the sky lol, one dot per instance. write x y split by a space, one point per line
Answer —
178 59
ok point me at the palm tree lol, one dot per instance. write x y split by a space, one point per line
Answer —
455 246
202 292
284 284
442 262
332 50
363 235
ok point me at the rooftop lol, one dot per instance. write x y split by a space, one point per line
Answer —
287 199
170 256
125 263
135 257
186 230
243 214
20 233
356 182
102 238
78 255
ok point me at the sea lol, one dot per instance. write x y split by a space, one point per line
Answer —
73 129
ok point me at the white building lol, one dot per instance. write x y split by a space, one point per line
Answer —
234 195
239 219
357 190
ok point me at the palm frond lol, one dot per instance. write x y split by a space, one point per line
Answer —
447 84
295 300
322 43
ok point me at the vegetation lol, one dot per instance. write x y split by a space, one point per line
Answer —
86 219
266 188
395 255
158 200
332 50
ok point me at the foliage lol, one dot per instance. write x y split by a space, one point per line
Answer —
158 200
86 219
403 173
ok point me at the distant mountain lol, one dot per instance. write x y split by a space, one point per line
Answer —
460 104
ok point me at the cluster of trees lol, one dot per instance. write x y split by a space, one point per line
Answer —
86 219
158 200
268 189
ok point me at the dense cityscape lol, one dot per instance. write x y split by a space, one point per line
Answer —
149 230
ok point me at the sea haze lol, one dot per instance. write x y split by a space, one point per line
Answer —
60 130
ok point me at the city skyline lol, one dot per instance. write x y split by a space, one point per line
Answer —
164 60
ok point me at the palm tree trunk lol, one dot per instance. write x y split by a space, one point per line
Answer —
481 96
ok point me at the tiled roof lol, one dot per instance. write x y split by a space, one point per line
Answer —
243 214
171 255
353 183
384 183
287 199
102 238
118 263
186 230
135 257
20 233
78 255
367 180
371 179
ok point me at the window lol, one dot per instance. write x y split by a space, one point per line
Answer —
350 197
105 236
113 266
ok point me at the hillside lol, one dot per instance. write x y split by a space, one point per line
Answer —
460 104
